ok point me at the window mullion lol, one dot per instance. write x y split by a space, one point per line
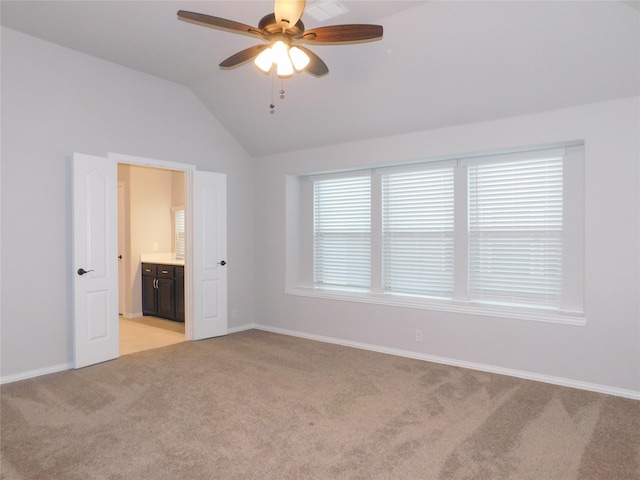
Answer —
461 236
376 233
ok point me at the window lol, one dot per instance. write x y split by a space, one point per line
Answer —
494 231
417 232
178 231
342 232
515 232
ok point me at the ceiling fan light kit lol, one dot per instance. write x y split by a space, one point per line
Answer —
299 59
285 59
283 32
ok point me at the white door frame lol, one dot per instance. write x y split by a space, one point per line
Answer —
99 317
121 249
188 172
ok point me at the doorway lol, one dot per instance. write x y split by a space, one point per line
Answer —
151 228
95 251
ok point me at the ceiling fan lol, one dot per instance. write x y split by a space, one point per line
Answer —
284 32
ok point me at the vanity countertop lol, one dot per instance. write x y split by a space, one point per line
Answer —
163 258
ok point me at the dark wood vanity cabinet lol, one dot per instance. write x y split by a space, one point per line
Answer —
179 293
163 291
149 294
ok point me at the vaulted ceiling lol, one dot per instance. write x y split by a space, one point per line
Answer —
440 63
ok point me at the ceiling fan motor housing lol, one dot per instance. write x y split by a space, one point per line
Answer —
269 24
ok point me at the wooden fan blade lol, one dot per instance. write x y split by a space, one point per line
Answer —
288 11
316 66
216 22
243 56
343 33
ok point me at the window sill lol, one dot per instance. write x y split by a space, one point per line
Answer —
528 314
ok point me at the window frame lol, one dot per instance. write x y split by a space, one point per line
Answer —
571 311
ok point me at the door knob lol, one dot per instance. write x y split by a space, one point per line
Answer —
82 271
222 262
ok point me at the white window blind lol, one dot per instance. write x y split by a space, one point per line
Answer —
515 232
179 235
417 232
496 232
342 232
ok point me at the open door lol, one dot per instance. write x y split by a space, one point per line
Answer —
209 255
95 260
95 255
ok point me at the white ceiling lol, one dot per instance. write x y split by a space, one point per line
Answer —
440 63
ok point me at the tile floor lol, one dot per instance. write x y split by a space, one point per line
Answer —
145 333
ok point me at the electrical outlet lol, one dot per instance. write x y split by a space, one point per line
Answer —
418 336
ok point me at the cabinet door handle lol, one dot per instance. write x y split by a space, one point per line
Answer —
155 283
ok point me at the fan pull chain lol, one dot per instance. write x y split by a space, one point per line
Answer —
272 106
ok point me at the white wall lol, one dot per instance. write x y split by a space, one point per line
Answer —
55 102
604 354
177 189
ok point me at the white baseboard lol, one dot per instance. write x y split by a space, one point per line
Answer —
564 382
35 373
242 328
67 366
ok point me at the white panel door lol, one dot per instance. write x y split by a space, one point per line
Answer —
209 255
95 264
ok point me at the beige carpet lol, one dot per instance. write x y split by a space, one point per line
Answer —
256 405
